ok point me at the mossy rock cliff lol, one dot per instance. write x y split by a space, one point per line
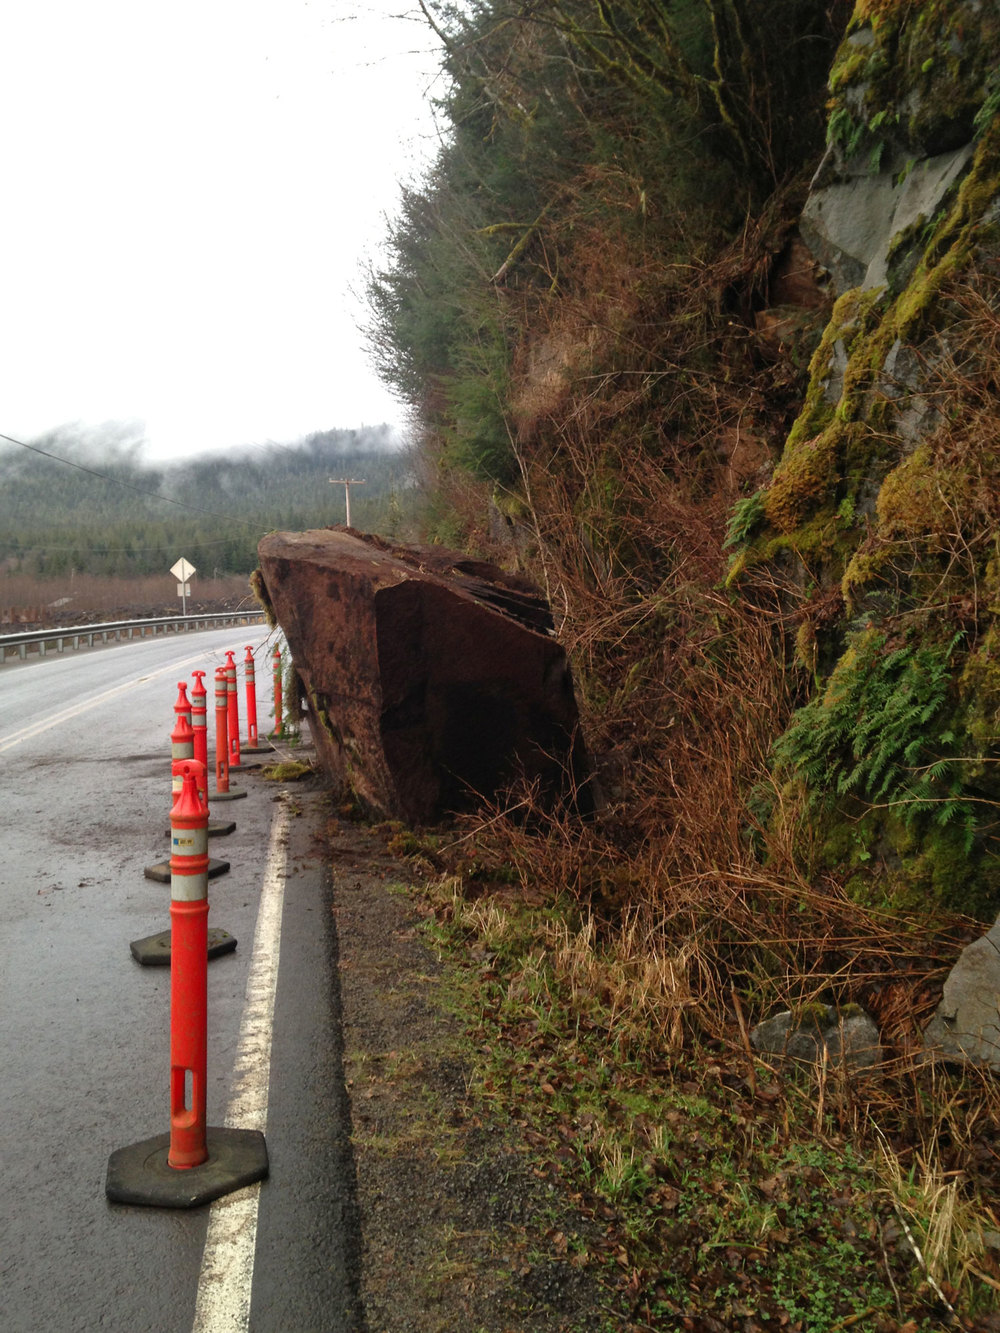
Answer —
887 494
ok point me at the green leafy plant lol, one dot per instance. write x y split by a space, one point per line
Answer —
987 112
746 517
876 732
842 129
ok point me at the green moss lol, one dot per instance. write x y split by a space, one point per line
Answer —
945 872
803 481
259 589
812 544
913 827
812 1015
810 466
912 77
881 761
888 864
851 63
288 771
909 501
806 646
979 689
510 504
837 453
934 511
865 568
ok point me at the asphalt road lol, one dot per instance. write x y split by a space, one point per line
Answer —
84 1029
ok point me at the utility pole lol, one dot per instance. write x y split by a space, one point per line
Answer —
347 483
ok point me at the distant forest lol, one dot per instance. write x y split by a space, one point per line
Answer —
102 510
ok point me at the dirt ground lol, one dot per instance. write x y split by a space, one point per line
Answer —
457 1229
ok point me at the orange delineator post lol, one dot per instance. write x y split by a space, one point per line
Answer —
249 673
199 718
193 1163
188 975
221 731
182 757
277 691
181 751
233 720
182 707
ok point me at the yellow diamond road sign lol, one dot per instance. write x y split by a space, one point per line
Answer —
183 570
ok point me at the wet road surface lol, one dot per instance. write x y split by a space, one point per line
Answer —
84 1029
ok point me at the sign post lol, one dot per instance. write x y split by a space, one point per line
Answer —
182 571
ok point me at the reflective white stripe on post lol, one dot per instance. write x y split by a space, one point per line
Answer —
190 842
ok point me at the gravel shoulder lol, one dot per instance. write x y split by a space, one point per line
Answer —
454 1218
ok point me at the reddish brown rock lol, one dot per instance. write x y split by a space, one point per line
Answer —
434 680
797 279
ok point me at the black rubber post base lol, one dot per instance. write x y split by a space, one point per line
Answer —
233 794
154 950
161 871
256 749
140 1174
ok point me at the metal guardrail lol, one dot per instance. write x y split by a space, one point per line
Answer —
77 636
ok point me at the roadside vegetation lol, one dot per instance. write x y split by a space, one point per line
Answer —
781 612
699 1185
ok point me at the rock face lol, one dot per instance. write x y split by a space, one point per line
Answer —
903 222
851 225
966 1025
435 680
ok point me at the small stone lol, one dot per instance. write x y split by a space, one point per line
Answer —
849 1036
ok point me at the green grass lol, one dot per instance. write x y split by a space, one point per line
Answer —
720 1192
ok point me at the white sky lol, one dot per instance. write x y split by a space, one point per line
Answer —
188 194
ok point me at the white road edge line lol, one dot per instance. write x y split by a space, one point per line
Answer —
226 1278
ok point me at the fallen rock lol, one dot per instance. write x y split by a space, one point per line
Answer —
849 1036
966 1024
435 680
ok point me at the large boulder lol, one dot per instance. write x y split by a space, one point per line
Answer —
434 680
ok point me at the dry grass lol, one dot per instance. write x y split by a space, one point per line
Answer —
69 599
684 685
954 1236
690 907
667 976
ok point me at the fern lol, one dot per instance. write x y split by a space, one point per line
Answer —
747 515
867 734
991 105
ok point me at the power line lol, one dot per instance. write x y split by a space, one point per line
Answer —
127 485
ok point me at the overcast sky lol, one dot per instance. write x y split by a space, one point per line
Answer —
189 191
